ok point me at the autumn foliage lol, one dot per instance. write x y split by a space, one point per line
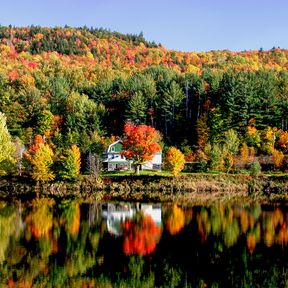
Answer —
140 143
174 160
176 220
40 156
72 83
140 235
278 158
40 221
71 164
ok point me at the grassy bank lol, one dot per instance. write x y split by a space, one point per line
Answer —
196 188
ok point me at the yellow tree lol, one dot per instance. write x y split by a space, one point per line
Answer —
41 163
174 160
72 164
176 220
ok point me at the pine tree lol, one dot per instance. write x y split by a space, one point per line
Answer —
137 108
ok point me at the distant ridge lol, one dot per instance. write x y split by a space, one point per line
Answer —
117 50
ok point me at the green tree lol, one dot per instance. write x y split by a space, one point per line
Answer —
231 141
71 164
172 99
238 97
82 117
282 97
137 108
7 147
215 155
44 122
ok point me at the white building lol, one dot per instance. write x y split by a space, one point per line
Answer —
113 160
116 214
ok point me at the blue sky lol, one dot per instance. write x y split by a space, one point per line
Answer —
195 25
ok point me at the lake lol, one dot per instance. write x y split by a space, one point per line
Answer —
44 243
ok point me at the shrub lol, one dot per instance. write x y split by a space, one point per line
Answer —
174 160
277 157
254 168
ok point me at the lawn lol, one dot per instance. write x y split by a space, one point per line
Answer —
132 173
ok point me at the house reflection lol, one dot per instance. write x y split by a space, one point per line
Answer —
116 214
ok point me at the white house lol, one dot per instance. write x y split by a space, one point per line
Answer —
116 214
113 160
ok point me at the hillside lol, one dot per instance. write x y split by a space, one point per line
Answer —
117 50
80 85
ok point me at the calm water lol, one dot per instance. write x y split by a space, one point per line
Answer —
72 244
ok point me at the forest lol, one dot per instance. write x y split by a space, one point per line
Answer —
70 91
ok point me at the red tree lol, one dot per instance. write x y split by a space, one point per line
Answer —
140 235
140 144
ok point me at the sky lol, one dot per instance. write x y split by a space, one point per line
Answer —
182 25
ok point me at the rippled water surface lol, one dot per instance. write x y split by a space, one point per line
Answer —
44 243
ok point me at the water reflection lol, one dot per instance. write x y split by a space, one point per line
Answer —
52 244
231 223
140 225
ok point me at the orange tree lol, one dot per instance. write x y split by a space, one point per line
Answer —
140 143
40 157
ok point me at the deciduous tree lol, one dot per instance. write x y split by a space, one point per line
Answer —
41 162
174 160
71 164
140 144
6 146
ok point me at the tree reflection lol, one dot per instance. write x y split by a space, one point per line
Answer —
49 244
231 223
39 221
7 227
175 220
140 234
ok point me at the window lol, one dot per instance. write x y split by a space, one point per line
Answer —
112 149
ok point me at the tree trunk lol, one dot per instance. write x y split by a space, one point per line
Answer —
137 169
166 129
173 115
187 101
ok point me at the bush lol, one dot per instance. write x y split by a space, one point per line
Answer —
254 168
195 167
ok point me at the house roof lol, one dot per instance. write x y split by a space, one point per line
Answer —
118 146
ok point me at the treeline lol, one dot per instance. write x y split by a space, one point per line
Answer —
131 51
69 99
68 40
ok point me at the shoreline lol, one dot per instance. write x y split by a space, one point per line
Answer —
194 188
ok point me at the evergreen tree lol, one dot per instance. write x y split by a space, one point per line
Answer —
137 108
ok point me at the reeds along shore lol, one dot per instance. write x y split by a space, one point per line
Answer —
196 188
